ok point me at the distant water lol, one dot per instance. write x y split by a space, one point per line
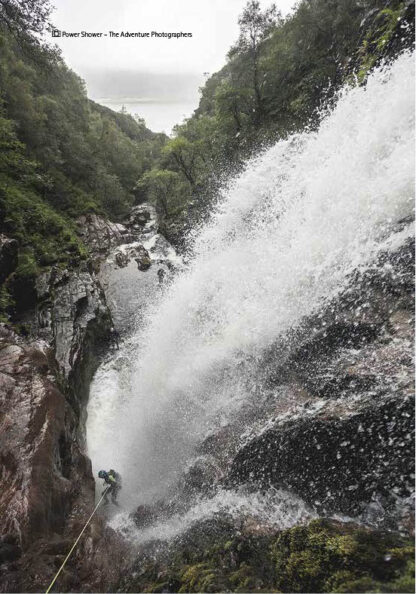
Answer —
159 116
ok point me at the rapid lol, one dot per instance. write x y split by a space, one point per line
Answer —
284 241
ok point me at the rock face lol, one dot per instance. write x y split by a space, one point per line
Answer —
140 216
101 235
47 484
349 447
136 252
336 464
72 315
44 472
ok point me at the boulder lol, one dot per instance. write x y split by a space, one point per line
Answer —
142 259
134 251
140 215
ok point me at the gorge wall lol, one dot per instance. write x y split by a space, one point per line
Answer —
48 488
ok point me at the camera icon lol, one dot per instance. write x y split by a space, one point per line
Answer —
56 33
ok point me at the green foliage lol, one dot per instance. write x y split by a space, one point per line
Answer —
25 16
13 161
324 556
88 157
165 189
279 73
330 557
6 303
45 238
255 26
183 156
378 37
61 155
29 219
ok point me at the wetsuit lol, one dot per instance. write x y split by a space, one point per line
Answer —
112 479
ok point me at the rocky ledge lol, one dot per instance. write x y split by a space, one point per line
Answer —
325 556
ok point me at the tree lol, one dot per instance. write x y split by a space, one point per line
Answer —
163 187
13 161
231 101
185 156
255 26
25 18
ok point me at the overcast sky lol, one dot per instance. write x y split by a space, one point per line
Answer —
213 24
156 78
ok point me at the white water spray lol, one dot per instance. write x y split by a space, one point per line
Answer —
293 227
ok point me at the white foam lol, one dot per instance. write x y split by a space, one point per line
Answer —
284 241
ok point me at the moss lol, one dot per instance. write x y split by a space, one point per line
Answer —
406 581
324 556
200 578
27 218
45 238
378 38
27 267
245 579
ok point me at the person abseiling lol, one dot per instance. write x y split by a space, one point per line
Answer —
113 479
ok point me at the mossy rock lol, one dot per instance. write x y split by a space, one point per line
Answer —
379 37
333 557
324 556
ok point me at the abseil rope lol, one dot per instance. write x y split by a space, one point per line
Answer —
76 542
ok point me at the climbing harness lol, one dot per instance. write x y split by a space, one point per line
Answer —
76 542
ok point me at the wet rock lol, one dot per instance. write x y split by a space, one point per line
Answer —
8 256
143 259
47 489
335 464
161 274
135 251
347 445
72 315
144 516
101 235
122 259
201 477
10 549
140 216
41 459
47 486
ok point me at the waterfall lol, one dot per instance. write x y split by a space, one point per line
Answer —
282 244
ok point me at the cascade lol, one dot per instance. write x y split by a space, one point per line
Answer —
284 241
